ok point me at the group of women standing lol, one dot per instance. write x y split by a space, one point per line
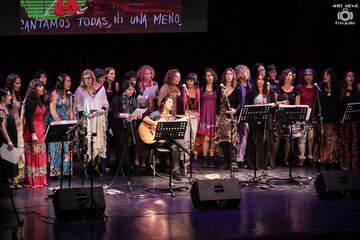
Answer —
215 104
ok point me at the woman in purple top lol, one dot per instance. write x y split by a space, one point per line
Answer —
207 115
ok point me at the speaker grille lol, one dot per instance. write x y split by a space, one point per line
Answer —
218 193
77 204
330 184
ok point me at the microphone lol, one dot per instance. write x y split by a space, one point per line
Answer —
317 86
268 86
186 90
70 94
222 86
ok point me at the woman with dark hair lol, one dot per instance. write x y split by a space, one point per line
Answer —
131 75
258 68
125 130
330 113
228 109
8 135
44 78
165 114
209 96
349 138
34 135
60 109
13 83
307 97
261 144
110 84
191 100
285 93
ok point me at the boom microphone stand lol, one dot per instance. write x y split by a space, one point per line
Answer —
321 127
191 179
95 211
231 130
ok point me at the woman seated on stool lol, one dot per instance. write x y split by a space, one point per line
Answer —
164 114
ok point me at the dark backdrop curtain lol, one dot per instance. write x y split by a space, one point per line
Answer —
299 33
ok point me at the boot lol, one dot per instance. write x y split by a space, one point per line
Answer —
175 171
206 161
211 162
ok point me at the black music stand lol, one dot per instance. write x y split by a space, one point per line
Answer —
57 131
170 131
255 114
288 115
352 113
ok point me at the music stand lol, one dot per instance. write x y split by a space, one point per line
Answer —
352 113
288 115
57 131
170 131
255 114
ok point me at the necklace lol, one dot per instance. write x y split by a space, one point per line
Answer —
192 103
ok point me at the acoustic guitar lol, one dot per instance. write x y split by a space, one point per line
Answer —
147 133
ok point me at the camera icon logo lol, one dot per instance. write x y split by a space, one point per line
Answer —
345 15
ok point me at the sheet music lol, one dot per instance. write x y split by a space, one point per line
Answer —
258 105
308 111
292 106
10 156
150 91
141 99
137 113
308 114
63 122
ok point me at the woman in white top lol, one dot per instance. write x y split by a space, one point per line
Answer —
92 102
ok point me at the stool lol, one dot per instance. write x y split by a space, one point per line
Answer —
153 153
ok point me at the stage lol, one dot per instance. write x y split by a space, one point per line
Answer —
285 211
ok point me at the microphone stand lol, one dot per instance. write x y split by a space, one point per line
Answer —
72 131
130 141
231 140
72 142
133 140
321 130
191 180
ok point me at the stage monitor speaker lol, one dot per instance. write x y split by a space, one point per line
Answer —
331 184
75 203
217 193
